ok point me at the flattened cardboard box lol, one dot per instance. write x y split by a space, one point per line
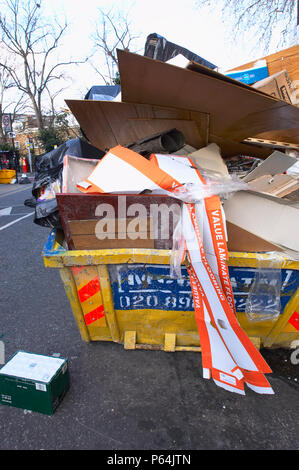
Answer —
34 382
278 85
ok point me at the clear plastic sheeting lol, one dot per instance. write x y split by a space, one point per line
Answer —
178 251
263 301
215 185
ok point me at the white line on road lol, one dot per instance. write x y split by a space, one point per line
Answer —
15 221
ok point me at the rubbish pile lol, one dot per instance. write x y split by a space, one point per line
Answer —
168 148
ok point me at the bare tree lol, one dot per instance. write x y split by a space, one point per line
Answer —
5 84
266 17
28 36
113 31
10 102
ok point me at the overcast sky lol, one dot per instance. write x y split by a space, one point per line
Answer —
198 29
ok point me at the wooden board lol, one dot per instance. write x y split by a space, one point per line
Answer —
244 241
107 124
84 236
79 216
278 185
236 112
286 59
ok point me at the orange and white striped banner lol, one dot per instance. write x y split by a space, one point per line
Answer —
228 355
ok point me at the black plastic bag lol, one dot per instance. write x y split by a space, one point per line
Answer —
48 171
158 48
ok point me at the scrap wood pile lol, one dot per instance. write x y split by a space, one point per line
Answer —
170 140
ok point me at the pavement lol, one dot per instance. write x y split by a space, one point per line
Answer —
118 399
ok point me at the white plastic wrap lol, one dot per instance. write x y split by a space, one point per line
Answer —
214 186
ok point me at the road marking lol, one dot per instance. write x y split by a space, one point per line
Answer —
14 192
15 221
5 211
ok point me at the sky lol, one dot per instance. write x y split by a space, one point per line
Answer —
199 29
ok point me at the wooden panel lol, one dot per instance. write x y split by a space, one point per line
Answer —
235 112
78 219
286 59
85 235
278 185
150 120
107 124
244 241
91 242
290 135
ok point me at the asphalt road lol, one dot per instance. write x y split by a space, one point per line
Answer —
130 400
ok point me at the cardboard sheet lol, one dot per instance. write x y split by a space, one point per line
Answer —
278 85
209 158
75 169
286 59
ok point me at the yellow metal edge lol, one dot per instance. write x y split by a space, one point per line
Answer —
108 304
239 258
151 256
116 256
72 294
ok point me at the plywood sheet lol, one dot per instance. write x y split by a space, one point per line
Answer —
286 59
235 112
107 124
244 241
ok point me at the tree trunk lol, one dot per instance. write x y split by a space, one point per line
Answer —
2 135
37 112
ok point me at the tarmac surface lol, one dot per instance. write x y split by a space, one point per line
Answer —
118 399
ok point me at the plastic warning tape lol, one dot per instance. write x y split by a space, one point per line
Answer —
228 344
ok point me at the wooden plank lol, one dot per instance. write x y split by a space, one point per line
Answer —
278 185
91 242
85 235
83 207
88 227
275 144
